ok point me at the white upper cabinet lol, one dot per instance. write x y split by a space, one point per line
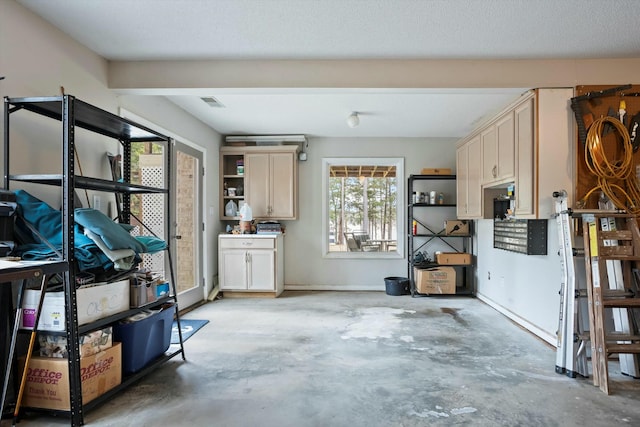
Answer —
498 151
506 147
530 145
489 141
468 178
267 180
462 181
272 183
525 172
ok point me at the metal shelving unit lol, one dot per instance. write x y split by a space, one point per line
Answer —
74 113
434 233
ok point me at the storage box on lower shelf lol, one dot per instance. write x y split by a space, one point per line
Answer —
47 383
436 280
94 302
90 343
146 339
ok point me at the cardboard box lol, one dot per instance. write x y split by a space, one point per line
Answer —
456 227
94 302
91 343
99 300
96 341
435 171
453 258
47 379
437 280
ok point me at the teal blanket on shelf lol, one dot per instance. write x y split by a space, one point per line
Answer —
48 222
111 233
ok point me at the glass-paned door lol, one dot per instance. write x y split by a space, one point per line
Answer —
186 238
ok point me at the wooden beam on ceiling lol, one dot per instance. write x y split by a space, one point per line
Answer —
357 171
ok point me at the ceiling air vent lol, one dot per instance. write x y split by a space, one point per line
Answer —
211 101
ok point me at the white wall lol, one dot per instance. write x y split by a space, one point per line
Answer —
37 60
523 287
305 268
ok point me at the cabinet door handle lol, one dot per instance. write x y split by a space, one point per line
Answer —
177 237
494 171
247 243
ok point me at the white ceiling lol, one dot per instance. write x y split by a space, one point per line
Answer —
348 29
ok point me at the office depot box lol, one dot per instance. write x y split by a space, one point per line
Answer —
47 382
90 343
99 300
437 280
456 227
453 258
435 171
145 339
52 317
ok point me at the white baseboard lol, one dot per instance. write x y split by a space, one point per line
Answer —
333 288
542 334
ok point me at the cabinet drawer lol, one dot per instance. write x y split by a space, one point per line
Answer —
247 243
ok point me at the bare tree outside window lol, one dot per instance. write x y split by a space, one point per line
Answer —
362 206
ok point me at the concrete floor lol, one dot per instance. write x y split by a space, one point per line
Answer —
362 359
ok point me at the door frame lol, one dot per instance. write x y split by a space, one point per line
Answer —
204 267
190 297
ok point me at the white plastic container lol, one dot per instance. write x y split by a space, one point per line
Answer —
231 209
246 216
246 213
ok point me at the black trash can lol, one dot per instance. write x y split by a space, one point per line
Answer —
397 285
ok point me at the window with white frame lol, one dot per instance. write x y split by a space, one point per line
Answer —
362 210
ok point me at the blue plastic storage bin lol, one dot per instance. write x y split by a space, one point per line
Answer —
144 340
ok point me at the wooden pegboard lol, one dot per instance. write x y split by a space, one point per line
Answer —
594 108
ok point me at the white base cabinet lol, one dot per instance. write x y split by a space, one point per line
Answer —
251 263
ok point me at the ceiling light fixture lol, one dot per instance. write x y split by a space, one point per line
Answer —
353 120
